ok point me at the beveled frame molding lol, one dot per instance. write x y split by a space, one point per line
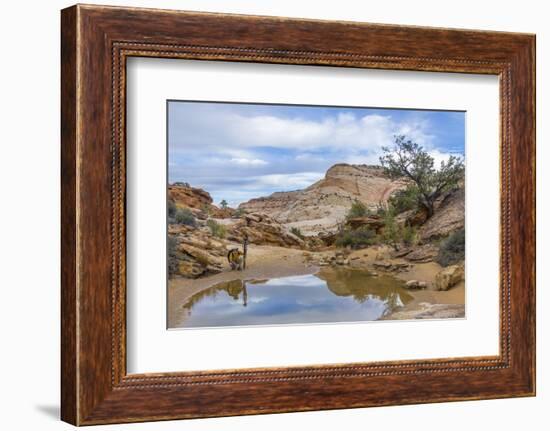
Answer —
96 41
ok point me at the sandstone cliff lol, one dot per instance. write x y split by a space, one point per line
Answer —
448 216
324 204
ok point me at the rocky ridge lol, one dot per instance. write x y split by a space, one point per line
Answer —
320 207
317 211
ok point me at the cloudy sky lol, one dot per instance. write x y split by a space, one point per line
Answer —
241 151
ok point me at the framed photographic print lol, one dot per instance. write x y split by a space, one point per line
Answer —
265 214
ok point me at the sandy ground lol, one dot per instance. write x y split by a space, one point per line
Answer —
271 262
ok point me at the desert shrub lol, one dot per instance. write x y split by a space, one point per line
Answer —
239 212
172 209
452 249
358 238
391 234
380 210
218 230
185 216
206 210
404 200
296 231
358 209
409 235
173 260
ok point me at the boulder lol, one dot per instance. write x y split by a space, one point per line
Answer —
263 230
327 238
385 265
190 269
415 284
448 277
382 264
417 218
422 254
401 253
448 216
195 262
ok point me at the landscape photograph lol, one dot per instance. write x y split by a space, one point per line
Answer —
298 214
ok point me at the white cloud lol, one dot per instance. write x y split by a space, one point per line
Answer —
235 134
247 162
345 131
289 181
439 157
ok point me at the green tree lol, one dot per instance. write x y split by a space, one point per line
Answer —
405 199
358 209
223 204
410 160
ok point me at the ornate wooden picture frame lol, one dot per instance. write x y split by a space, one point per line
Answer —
96 41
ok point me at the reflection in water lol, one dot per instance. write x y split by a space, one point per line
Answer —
332 295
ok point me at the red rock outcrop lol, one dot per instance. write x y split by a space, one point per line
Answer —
189 197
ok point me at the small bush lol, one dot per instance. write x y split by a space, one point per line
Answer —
239 212
380 210
404 200
409 235
172 209
358 238
206 210
185 216
452 249
391 234
358 209
296 231
218 230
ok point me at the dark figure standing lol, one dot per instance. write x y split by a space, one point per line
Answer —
245 250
